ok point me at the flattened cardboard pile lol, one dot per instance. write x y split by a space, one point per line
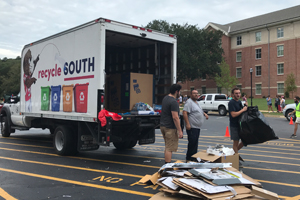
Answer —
214 181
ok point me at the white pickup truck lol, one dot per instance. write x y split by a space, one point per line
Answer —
214 102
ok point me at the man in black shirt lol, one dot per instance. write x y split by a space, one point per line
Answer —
170 123
235 108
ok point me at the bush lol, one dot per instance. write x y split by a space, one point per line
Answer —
264 97
287 94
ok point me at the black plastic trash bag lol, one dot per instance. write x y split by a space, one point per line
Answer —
254 127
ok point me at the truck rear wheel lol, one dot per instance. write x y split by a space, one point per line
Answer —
4 127
222 111
125 144
132 144
65 143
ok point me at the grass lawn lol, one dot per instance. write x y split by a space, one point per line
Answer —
261 103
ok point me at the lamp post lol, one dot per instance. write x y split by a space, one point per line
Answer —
251 70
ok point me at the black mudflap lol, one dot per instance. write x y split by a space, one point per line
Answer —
86 141
148 136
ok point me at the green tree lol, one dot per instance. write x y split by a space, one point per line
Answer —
10 70
198 50
290 84
224 80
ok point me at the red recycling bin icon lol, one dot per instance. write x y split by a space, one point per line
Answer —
81 97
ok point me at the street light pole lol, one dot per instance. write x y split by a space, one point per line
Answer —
251 70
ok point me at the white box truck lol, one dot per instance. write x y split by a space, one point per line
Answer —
64 79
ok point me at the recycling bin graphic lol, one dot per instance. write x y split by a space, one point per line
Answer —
67 98
81 97
55 98
45 93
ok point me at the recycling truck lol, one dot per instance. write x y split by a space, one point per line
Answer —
75 82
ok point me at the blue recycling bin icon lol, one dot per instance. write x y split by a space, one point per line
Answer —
55 98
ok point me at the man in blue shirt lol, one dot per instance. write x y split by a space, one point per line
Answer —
235 108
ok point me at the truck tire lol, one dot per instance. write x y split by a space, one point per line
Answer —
132 144
120 145
125 144
222 111
4 127
287 116
65 143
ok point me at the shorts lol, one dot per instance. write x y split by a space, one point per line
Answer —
234 133
171 138
297 120
269 104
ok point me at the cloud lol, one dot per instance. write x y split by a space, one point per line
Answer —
23 22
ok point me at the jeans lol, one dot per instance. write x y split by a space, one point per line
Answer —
193 137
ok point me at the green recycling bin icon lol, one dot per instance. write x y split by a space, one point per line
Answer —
45 94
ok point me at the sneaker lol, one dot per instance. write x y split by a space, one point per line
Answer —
293 136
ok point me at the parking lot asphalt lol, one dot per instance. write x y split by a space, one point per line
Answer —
29 168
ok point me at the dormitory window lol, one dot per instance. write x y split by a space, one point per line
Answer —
219 90
280 50
258 89
240 87
239 40
239 72
280 32
238 56
203 90
280 88
280 68
258 70
258 36
258 53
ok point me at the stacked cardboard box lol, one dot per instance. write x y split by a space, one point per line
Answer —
214 181
123 91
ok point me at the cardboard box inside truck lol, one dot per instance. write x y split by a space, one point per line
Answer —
127 89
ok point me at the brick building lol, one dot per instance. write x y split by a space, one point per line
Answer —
269 44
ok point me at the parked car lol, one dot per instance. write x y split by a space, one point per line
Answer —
287 109
214 102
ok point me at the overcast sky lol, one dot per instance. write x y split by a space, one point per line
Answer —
23 22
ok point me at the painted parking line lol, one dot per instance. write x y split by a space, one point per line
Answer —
72 167
250 149
273 170
184 154
27 139
263 161
77 182
5 195
124 174
26 145
278 183
80 158
225 141
288 158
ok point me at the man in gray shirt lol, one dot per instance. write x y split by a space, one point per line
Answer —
193 116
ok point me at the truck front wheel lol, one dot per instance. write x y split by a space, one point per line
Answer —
222 111
4 127
64 141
